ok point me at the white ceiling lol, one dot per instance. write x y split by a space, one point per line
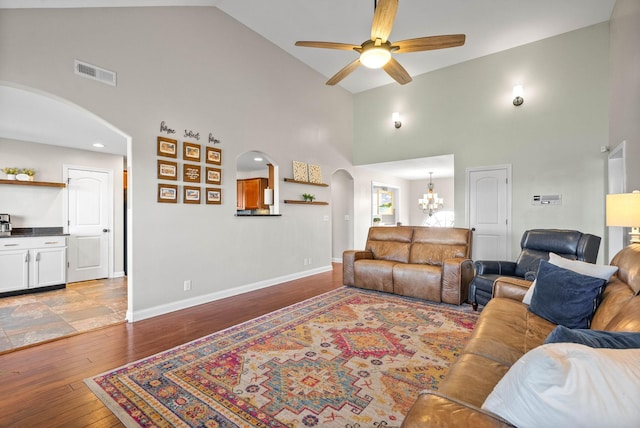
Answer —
26 115
490 26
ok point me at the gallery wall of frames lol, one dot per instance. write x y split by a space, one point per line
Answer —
188 172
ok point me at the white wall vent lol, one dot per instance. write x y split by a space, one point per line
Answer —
96 73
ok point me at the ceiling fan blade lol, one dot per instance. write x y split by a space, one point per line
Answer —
395 70
328 45
383 19
428 43
344 72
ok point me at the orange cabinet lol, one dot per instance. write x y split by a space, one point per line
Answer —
250 194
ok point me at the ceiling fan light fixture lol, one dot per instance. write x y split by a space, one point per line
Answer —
375 56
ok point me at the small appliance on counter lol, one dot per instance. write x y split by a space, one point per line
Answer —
5 225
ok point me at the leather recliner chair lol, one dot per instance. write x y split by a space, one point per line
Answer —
536 244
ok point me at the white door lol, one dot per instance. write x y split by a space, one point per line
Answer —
488 206
617 184
89 221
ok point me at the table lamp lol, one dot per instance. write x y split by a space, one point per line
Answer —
623 209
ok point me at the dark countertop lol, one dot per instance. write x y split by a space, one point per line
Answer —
31 232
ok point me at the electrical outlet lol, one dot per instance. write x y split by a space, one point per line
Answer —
187 285
309 260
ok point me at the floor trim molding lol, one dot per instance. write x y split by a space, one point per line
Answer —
139 315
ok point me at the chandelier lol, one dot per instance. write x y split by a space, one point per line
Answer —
430 202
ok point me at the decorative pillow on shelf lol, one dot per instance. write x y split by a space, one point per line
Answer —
599 271
565 297
570 385
595 338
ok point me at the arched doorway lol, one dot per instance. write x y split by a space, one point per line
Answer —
342 210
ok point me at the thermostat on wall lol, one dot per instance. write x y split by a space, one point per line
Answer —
546 200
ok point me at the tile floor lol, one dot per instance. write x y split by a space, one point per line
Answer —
81 306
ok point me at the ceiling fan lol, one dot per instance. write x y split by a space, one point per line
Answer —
376 52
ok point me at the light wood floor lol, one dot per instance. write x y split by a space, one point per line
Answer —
42 386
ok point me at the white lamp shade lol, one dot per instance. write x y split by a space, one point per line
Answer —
623 209
518 91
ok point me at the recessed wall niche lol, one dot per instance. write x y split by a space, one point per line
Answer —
256 185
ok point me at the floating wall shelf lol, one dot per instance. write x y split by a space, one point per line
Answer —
289 201
32 183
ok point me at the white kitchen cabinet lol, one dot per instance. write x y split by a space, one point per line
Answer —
32 262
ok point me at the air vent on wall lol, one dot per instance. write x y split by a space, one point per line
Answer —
96 73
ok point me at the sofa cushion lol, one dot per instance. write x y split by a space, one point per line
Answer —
420 281
374 274
599 271
432 245
390 243
595 338
567 385
506 330
565 297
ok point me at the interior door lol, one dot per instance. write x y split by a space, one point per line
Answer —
89 222
488 204
616 184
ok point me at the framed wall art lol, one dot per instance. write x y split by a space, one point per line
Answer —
315 174
214 195
214 176
191 195
191 173
300 172
191 151
214 156
167 170
168 193
167 147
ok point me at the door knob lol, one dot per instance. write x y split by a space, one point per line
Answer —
105 230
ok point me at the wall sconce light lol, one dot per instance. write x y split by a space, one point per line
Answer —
395 117
518 92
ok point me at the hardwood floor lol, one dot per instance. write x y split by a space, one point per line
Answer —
43 385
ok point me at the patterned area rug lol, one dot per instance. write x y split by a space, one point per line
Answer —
348 358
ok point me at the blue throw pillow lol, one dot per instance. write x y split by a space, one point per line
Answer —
565 297
595 338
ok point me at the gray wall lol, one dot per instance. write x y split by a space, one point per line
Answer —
194 68
552 141
624 99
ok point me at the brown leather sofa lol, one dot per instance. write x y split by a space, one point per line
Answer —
431 263
505 331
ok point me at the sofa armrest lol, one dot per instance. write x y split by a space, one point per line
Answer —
432 409
511 288
349 257
457 273
494 267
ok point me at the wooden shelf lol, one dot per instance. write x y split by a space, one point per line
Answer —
32 183
289 201
291 180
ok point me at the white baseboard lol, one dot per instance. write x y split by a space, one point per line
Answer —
337 260
207 298
118 274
